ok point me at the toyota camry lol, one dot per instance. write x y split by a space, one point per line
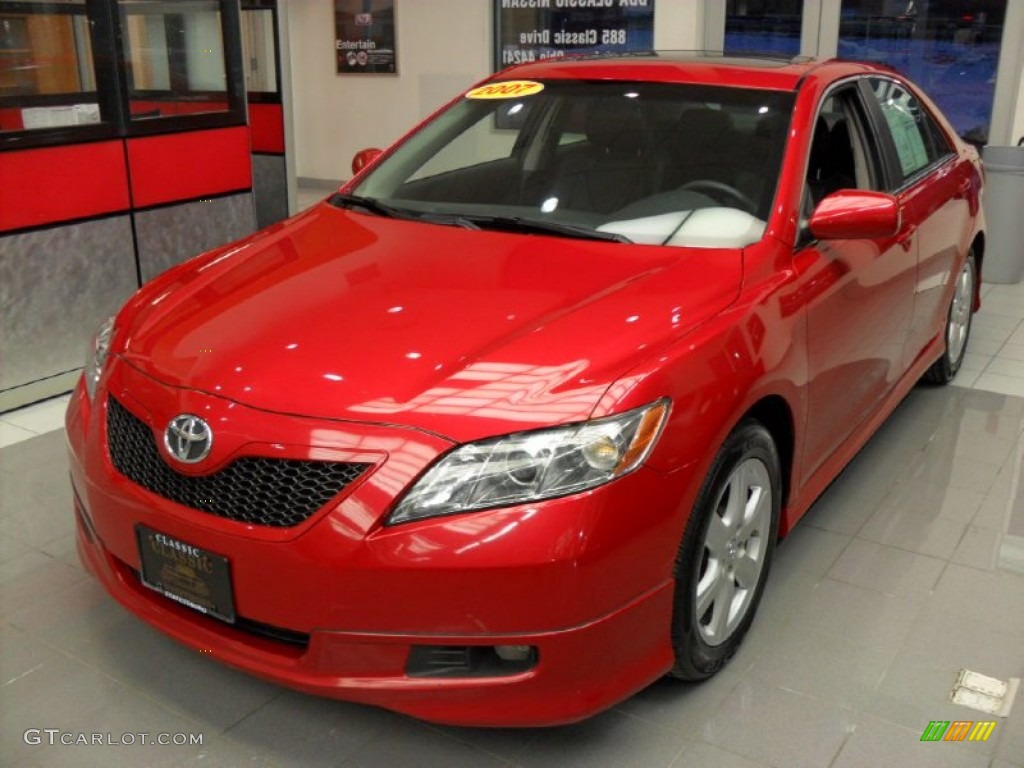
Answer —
509 426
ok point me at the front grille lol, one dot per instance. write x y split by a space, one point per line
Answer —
273 492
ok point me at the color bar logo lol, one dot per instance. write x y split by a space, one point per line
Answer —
958 730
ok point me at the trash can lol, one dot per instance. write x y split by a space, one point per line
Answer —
1004 211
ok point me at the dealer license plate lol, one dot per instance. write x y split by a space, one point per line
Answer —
186 573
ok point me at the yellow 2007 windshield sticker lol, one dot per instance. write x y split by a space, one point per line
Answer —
506 89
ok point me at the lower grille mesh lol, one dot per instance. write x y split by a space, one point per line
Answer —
274 492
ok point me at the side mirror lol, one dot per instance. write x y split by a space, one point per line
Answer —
363 158
855 214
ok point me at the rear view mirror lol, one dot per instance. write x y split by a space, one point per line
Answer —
854 214
363 158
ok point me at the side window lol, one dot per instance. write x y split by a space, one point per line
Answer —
918 139
841 156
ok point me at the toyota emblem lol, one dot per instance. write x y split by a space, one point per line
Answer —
188 438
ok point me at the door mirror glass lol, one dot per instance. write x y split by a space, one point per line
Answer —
855 214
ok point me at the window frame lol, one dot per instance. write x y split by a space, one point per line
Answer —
110 70
231 40
266 97
879 147
103 73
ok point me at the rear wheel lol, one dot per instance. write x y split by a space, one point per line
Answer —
958 325
726 551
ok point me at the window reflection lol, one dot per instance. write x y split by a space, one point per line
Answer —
46 66
765 26
258 58
509 391
175 57
950 48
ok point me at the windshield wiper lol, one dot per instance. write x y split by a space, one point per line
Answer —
371 204
470 221
449 220
518 224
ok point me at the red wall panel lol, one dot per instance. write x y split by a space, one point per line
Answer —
266 122
182 166
51 184
10 119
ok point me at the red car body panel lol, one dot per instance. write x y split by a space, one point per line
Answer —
340 335
423 327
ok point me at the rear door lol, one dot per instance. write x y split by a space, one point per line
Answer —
932 188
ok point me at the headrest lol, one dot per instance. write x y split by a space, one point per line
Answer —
704 123
615 123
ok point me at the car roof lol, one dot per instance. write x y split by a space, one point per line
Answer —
699 67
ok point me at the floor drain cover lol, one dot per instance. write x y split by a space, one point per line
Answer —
985 694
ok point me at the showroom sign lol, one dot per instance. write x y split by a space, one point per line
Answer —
364 37
529 30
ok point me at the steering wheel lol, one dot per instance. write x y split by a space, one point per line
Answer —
731 194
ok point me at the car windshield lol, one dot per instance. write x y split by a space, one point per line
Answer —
652 163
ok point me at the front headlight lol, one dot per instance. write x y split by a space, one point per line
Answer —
96 356
530 466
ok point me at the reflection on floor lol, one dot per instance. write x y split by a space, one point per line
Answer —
909 568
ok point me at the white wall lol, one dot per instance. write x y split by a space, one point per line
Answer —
443 47
1018 120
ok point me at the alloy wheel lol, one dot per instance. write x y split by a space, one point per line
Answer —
734 552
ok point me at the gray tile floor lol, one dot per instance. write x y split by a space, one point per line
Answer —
909 568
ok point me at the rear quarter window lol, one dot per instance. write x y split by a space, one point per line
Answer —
918 140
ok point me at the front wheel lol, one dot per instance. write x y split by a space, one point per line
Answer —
726 551
958 325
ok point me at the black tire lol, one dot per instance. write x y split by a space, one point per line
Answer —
747 460
959 315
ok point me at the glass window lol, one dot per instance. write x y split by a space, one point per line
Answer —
948 47
918 140
46 66
482 142
174 53
258 46
764 26
841 155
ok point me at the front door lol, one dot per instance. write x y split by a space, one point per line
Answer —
860 293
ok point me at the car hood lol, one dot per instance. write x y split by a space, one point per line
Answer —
344 315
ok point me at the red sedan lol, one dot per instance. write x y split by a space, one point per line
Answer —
508 427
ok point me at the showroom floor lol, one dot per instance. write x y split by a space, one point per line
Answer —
910 568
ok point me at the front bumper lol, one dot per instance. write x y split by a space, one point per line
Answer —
586 580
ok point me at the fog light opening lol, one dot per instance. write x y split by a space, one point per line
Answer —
470 660
513 652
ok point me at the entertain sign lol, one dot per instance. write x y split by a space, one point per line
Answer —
364 36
